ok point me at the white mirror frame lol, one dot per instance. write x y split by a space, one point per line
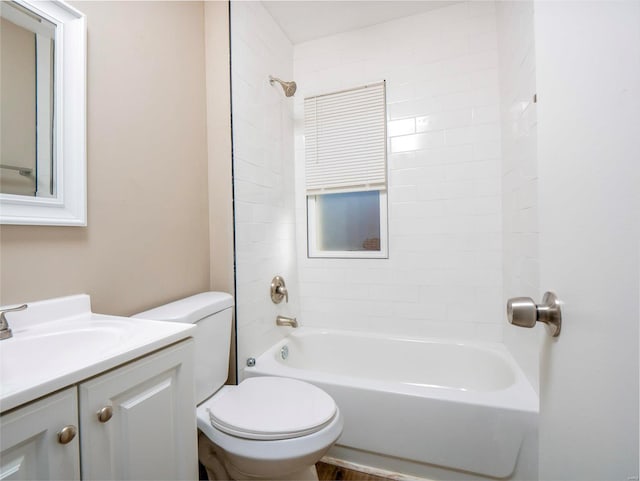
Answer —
69 206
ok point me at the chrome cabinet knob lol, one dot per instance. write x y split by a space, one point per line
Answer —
66 434
524 312
105 414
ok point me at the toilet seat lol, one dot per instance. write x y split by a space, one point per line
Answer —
270 408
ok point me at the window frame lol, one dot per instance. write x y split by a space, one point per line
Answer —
312 234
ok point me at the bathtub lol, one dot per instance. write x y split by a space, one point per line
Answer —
462 406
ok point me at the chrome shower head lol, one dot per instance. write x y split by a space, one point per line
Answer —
288 87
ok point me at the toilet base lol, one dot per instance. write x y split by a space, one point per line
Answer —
209 458
218 470
307 474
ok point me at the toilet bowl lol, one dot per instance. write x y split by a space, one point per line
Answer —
269 428
265 428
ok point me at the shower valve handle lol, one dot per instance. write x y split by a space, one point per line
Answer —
524 312
279 290
283 291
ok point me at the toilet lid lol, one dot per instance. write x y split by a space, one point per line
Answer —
264 408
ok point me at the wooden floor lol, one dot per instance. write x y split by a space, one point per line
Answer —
330 472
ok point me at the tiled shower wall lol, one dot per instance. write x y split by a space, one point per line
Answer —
519 169
444 272
263 175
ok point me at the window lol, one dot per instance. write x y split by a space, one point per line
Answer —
346 173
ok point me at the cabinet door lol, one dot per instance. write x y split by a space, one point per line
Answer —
30 447
151 433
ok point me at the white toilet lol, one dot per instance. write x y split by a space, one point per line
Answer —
263 428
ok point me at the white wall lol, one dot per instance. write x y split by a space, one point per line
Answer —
444 275
263 175
520 266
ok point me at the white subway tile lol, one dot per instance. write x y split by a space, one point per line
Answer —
445 178
403 160
486 132
458 136
484 79
444 120
401 127
400 92
483 24
404 177
485 115
480 8
481 42
401 211
402 194
448 154
490 332
489 149
417 141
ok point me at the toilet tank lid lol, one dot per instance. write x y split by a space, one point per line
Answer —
190 309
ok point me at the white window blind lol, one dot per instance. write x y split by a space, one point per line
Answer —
345 140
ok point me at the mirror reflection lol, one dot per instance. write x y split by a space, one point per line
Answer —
26 102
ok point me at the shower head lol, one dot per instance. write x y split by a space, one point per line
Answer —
288 87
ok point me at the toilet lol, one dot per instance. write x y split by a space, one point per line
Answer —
263 428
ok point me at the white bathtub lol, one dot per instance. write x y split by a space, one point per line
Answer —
463 406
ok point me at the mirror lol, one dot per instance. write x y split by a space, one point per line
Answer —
26 102
42 113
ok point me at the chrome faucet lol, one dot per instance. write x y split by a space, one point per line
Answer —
5 331
286 321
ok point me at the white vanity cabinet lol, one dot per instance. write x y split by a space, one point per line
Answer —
138 421
36 440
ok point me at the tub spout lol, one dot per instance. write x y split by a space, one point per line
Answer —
286 321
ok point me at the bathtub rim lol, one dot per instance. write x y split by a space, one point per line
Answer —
519 396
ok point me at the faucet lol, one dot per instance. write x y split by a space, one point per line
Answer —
286 321
5 331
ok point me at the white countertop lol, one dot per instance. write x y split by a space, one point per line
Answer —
60 342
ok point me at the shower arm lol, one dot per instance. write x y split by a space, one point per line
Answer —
288 87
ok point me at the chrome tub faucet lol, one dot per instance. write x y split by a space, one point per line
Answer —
286 321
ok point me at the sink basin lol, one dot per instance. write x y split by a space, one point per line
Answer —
60 342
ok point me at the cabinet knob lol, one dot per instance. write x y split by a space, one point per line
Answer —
105 414
66 434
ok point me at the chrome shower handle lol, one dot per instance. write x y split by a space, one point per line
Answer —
524 312
279 290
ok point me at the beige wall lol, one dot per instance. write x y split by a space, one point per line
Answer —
219 144
147 241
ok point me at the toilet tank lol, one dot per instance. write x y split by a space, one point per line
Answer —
211 312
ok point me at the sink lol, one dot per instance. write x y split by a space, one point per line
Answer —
43 354
59 342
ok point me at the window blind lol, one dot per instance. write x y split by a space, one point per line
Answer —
345 140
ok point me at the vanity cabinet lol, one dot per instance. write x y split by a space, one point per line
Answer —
30 444
138 421
134 422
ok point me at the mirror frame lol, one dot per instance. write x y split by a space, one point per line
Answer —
69 206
